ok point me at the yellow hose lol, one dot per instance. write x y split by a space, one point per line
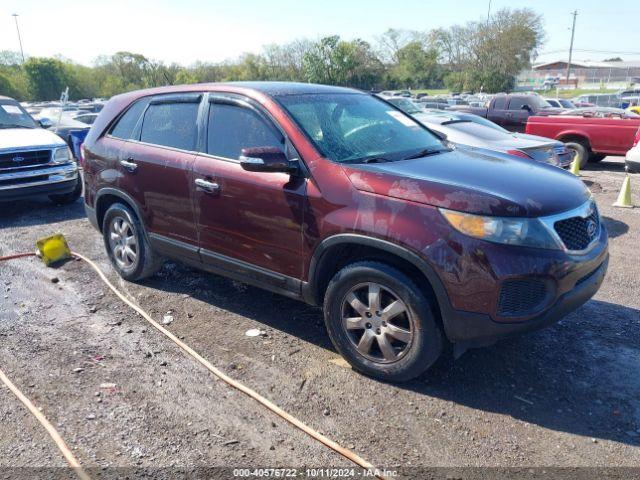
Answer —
348 454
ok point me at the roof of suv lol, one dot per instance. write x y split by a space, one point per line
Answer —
288 88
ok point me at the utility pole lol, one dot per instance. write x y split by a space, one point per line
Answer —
489 12
573 31
15 17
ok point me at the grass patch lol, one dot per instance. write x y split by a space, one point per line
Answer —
574 93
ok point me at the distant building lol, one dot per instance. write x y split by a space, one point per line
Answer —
585 74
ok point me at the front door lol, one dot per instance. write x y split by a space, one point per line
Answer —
248 222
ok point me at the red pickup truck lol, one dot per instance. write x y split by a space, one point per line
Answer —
592 138
511 111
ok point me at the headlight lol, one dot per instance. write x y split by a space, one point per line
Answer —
62 155
528 232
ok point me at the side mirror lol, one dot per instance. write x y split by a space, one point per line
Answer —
526 107
265 159
45 123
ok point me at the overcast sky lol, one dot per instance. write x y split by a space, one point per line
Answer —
212 30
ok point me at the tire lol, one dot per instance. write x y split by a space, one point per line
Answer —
404 359
121 228
581 149
596 157
68 198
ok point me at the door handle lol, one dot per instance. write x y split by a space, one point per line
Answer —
207 186
129 164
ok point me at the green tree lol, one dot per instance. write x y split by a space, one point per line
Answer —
47 77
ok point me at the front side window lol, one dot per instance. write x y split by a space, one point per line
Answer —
125 126
351 127
12 115
232 128
171 125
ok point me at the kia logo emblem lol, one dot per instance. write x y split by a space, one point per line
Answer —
18 159
591 228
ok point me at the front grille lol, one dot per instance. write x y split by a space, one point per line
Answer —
522 297
24 159
577 233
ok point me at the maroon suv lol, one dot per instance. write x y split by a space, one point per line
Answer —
335 197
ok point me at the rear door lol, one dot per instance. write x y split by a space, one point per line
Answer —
156 169
497 110
249 222
517 115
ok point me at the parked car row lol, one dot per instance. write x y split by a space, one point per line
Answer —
467 129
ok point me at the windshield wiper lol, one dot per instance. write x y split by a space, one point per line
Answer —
426 152
373 159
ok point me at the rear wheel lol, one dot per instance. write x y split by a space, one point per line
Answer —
581 151
127 245
381 322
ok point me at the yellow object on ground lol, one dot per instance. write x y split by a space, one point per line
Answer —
624 197
53 249
575 166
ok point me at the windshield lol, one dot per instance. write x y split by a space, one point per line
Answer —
351 127
538 102
12 115
406 105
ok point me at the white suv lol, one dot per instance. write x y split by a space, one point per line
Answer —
34 161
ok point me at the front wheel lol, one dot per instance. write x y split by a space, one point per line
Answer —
381 322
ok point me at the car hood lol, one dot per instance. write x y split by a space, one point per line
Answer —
11 138
474 182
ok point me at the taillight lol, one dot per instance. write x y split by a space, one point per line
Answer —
82 155
637 139
519 153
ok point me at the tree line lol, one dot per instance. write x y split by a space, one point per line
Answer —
477 56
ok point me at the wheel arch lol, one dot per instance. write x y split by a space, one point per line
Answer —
573 136
107 197
337 251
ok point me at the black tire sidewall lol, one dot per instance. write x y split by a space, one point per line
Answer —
120 210
426 344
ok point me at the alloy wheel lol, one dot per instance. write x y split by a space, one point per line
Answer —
378 322
123 243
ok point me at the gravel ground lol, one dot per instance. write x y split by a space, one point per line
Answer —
123 396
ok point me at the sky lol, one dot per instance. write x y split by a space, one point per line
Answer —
186 31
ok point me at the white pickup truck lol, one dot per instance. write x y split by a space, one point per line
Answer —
34 161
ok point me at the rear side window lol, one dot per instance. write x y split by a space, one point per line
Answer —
127 123
500 103
232 128
171 125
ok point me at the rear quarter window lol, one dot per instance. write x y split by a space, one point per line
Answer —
126 124
500 104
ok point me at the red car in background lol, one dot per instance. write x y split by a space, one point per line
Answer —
592 138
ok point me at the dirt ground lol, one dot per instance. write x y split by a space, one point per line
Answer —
124 397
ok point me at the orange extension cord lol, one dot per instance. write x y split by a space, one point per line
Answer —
348 454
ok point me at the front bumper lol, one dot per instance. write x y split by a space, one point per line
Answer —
55 180
474 329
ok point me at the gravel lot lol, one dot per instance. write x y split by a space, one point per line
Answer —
564 396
